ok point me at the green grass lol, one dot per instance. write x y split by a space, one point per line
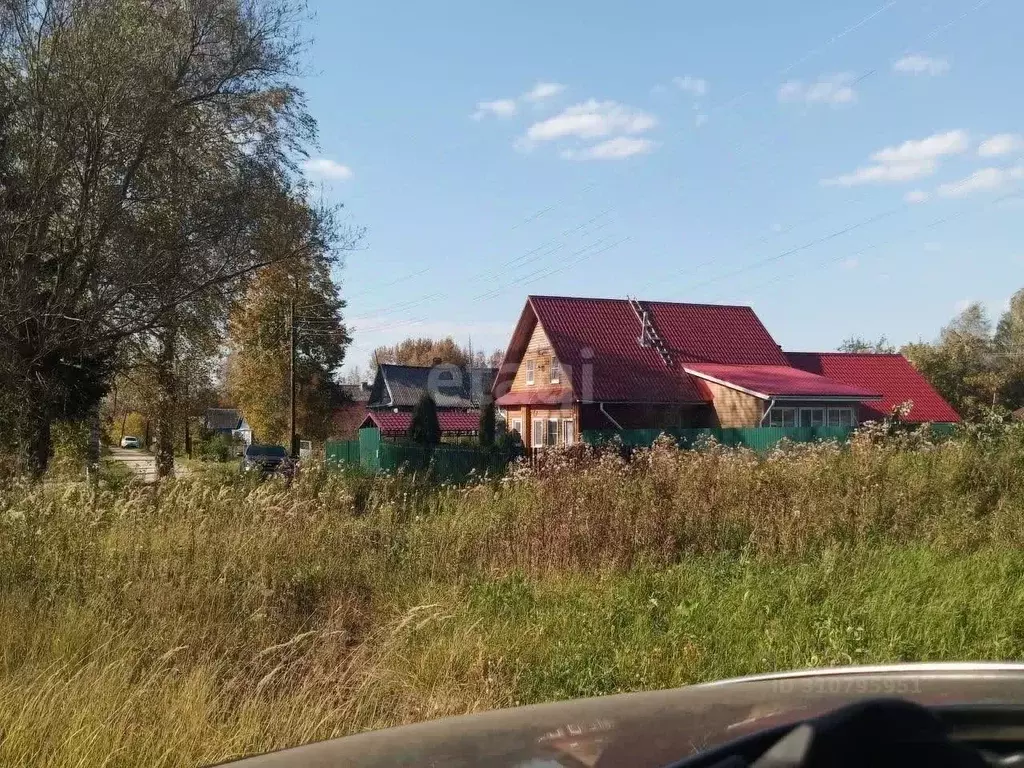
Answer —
215 615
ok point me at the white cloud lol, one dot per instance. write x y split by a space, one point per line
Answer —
542 91
931 148
1001 144
497 108
904 162
932 247
828 89
700 119
592 119
326 168
612 149
850 263
882 174
916 196
919 64
980 181
698 86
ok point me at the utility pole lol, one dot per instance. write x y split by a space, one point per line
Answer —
291 380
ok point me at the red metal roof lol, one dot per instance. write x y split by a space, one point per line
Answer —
393 424
597 341
780 381
542 396
891 375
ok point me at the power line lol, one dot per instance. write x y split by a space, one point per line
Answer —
914 230
540 274
929 36
593 184
531 256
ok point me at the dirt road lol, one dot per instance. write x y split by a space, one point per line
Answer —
142 463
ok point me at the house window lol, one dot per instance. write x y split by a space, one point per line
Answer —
537 438
517 426
556 371
812 417
840 417
552 438
782 417
530 367
568 432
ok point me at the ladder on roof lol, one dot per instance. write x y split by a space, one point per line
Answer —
648 333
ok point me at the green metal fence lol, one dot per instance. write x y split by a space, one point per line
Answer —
342 451
448 463
454 463
756 438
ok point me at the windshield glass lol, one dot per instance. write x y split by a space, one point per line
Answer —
269 451
366 364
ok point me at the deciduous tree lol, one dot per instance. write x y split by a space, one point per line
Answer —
259 332
860 344
137 143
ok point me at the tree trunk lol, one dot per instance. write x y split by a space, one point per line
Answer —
94 439
165 403
35 439
188 415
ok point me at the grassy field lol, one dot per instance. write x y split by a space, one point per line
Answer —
214 616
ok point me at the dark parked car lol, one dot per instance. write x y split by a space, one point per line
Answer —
266 459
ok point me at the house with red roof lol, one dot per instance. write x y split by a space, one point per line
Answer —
459 393
577 364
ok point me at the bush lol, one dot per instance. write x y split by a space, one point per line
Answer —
425 429
215 446
70 449
487 425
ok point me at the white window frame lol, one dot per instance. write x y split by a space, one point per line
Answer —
538 432
531 368
555 374
568 432
778 417
548 433
517 426
840 417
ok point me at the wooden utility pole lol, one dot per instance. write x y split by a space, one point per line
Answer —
291 380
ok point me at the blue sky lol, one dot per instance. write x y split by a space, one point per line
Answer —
844 168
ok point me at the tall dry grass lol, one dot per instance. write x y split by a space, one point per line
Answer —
215 616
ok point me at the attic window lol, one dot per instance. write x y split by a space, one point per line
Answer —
530 368
556 371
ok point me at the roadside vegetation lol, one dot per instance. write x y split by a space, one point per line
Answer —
213 616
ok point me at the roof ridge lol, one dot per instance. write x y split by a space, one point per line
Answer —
419 367
848 354
646 301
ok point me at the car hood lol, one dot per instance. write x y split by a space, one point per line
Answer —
652 729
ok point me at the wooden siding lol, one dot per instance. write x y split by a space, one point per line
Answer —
528 413
734 408
540 352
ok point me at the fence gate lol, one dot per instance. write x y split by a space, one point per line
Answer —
369 449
